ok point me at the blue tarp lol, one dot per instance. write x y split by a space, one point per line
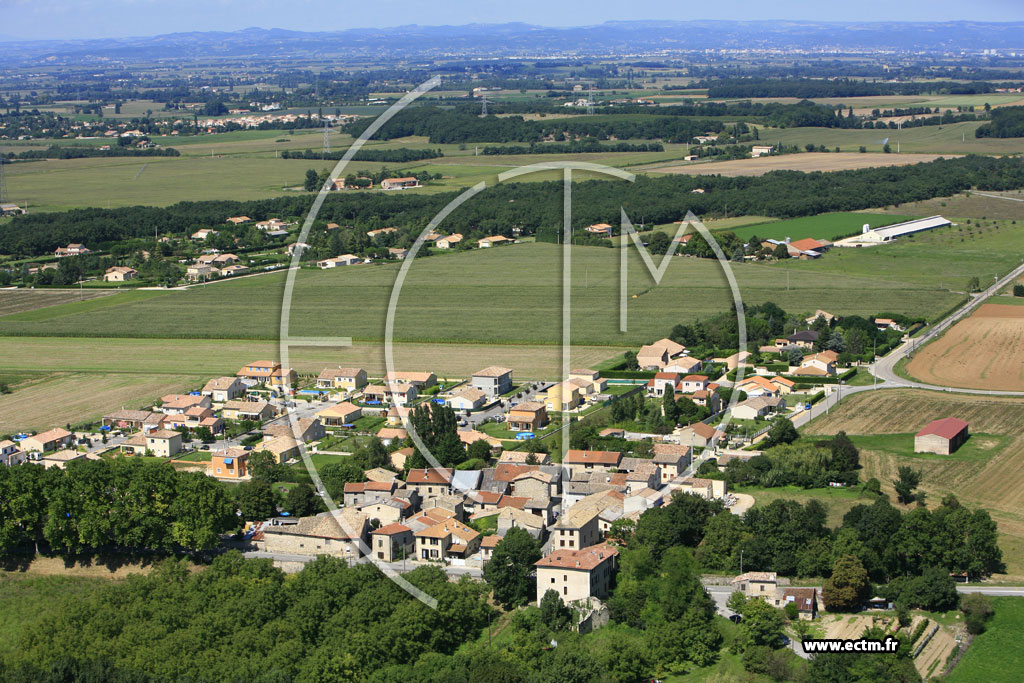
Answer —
228 461
105 428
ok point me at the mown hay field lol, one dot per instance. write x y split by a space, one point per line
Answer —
988 471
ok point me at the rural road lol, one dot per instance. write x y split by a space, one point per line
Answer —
885 368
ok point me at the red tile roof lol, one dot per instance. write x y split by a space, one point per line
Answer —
947 428
575 457
586 559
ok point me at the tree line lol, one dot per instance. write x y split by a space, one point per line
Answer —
122 504
58 152
782 194
846 87
400 155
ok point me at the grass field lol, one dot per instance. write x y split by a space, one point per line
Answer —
512 295
968 205
955 138
56 380
995 656
22 300
982 351
70 397
242 165
829 226
808 161
987 472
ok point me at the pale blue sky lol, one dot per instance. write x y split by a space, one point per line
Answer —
111 18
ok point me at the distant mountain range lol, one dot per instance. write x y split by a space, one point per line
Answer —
478 40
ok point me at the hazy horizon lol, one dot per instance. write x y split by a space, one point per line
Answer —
85 19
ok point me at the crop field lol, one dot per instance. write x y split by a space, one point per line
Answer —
806 161
242 165
78 397
995 655
947 140
983 351
829 226
22 300
507 295
988 471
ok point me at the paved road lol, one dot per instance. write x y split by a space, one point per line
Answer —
1012 591
884 368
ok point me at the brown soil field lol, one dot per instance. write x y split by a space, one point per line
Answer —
18 300
993 478
810 161
983 351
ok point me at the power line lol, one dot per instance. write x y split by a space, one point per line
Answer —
327 140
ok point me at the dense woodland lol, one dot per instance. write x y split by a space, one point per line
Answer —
244 620
534 206
1007 122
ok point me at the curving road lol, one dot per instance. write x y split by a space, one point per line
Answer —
885 368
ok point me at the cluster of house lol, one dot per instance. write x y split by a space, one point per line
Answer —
434 515
213 265
246 119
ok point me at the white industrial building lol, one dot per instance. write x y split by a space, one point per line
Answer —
869 237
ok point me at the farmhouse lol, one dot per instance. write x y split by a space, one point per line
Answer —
493 381
322 534
10 210
761 151
119 274
399 183
238 220
941 436
197 272
493 241
373 234
203 234
449 242
73 249
343 260
577 574
601 229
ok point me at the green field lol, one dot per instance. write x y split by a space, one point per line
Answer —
995 656
828 226
512 295
955 138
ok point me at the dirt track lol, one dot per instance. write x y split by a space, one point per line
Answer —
983 351
811 161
